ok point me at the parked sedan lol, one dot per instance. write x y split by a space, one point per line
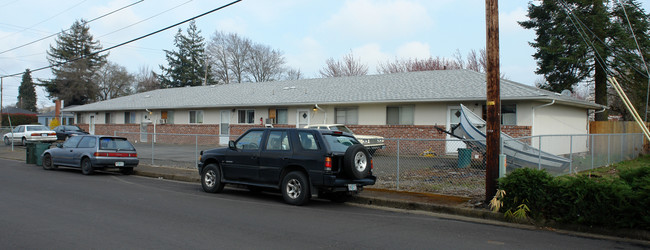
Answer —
91 152
65 131
29 133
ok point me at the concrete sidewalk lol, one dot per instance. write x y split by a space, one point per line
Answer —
460 208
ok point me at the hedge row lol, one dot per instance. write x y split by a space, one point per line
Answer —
612 202
19 119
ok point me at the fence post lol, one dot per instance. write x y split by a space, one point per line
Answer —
398 164
570 153
153 150
592 150
539 153
196 150
609 136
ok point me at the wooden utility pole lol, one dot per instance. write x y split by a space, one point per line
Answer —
493 129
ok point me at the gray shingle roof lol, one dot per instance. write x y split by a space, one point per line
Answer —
425 86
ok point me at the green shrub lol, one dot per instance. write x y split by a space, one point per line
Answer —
526 186
639 181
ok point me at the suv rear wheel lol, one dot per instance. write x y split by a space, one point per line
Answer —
295 188
356 161
211 179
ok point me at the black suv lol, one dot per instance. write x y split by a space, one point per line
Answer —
298 162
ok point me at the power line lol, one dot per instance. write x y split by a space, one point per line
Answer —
130 41
38 40
146 19
47 19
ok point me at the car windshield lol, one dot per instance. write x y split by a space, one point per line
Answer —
340 143
72 128
119 144
37 128
341 128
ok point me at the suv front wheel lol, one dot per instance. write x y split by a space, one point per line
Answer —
295 188
211 179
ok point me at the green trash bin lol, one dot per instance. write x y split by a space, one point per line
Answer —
30 158
464 157
39 149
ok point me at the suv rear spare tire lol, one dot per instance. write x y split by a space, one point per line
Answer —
356 162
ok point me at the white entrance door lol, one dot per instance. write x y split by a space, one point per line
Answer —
302 118
224 127
453 119
143 131
91 125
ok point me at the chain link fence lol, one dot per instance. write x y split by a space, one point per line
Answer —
442 166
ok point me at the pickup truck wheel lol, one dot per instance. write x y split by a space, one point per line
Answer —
356 161
86 167
295 188
211 179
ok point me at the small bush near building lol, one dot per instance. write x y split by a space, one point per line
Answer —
620 200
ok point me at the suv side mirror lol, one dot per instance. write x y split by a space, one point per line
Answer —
231 145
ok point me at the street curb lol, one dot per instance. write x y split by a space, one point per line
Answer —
167 176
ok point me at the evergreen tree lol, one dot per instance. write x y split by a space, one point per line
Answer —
75 61
568 43
27 93
186 65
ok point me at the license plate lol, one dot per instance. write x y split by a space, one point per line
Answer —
352 187
119 164
44 135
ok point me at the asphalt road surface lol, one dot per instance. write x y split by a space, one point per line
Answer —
64 209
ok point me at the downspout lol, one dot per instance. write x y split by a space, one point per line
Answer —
534 108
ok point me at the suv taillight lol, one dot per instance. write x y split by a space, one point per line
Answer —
328 163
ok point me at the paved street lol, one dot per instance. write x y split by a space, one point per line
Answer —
65 210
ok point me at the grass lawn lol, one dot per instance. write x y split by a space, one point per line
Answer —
613 170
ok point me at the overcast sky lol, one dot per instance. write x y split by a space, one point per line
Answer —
307 31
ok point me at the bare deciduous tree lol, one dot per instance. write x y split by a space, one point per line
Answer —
146 80
113 81
348 66
265 64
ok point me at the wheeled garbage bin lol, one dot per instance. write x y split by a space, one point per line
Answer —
39 149
30 157
464 157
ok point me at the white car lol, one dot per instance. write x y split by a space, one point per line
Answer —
371 142
29 133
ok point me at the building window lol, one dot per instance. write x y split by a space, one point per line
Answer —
70 121
508 114
347 115
196 116
246 116
282 116
400 115
108 118
80 119
129 117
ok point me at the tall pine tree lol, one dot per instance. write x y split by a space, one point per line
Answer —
585 40
187 65
27 93
74 62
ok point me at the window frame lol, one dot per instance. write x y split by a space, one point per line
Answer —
400 114
347 115
248 119
198 116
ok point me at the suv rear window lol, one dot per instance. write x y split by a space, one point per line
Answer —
107 143
340 143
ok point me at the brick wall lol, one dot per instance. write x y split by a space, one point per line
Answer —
391 132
